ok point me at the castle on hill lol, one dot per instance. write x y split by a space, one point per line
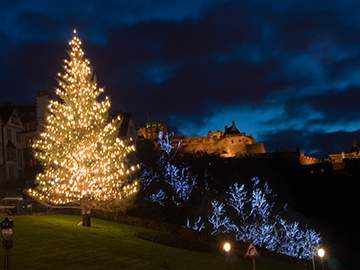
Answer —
228 143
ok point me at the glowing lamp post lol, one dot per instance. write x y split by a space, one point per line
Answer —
7 233
227 248
321 253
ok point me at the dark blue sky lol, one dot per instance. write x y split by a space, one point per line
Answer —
286 71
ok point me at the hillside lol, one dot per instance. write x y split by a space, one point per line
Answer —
56 242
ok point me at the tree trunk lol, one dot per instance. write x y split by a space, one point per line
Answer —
86 217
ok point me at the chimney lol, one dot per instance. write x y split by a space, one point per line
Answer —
42 100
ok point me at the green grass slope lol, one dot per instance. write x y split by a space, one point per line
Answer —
57 242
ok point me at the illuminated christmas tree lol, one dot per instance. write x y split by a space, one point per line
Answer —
83 159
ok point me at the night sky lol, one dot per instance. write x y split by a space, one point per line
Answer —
286 71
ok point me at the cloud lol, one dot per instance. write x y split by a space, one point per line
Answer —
317 144
289 68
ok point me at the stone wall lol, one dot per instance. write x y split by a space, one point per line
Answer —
256 148
306 160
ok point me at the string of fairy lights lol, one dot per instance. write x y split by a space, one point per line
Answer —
82 156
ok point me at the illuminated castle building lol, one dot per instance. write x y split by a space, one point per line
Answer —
339 161
228 143
151 130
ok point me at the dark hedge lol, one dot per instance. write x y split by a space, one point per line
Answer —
178 241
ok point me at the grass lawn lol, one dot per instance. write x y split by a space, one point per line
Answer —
56 242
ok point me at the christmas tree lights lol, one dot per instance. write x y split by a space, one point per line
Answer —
84 161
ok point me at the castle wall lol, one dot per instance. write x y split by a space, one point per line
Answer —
306 160
233 146
256 148
226 146
204 144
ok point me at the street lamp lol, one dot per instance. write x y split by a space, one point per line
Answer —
7 233
227 248
321 253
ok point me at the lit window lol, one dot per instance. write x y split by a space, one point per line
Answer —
30 141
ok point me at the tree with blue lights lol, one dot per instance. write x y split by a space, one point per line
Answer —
257 222
219 223
173 180
247 214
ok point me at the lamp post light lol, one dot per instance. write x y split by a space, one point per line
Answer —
321 253
7 233
227 248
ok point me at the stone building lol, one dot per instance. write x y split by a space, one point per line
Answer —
20 127
338 161
228 143
33 117
151 130
11 154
